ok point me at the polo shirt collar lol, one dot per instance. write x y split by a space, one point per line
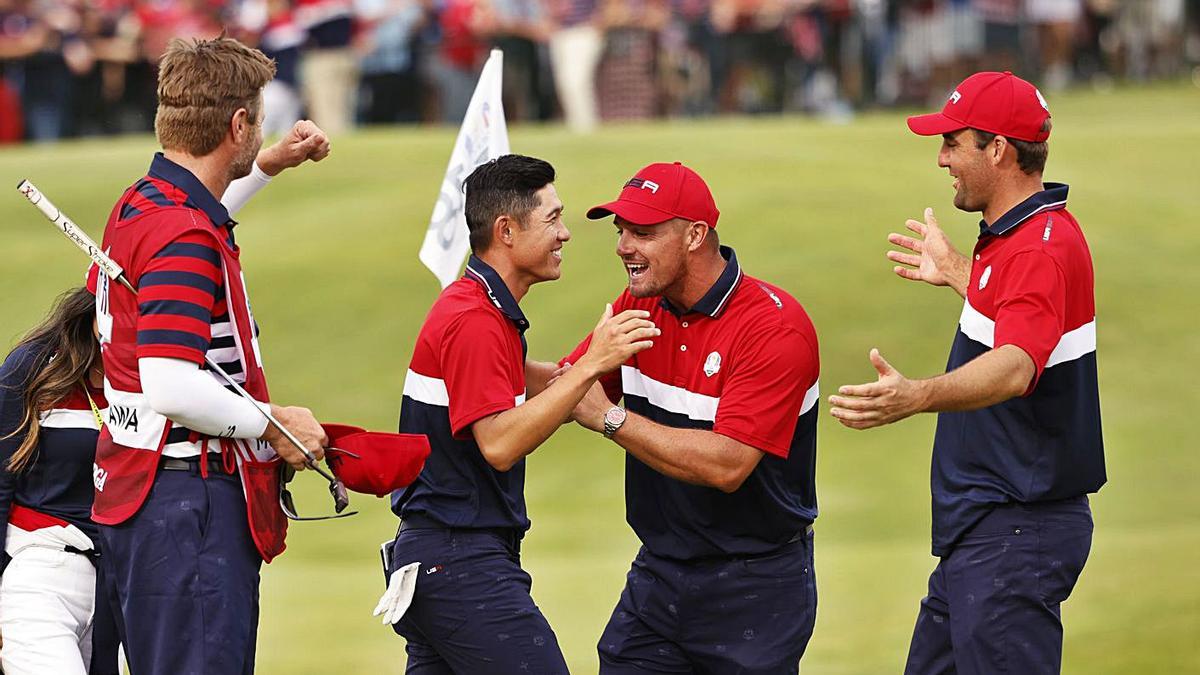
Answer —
483 274
199 196
717 297
1053 196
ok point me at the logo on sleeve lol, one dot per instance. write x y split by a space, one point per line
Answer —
987 274
712 364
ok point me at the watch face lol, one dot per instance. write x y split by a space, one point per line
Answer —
615 415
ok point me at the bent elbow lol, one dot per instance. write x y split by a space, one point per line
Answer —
163 401
497 458
731 480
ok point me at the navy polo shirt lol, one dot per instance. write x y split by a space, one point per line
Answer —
742 363
1031 286
468 363
57 483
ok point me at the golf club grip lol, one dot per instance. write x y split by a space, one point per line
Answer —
69 229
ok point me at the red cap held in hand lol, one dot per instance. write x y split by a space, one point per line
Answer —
374 462
999 103
659 193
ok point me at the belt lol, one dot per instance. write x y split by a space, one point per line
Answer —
508 535
191 464
91 552
178 435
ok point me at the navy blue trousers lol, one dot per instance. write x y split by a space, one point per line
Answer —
183 576
734 615
472 613
994 602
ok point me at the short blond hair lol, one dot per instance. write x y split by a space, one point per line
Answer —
201 84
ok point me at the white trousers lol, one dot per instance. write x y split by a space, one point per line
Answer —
574 55
47 598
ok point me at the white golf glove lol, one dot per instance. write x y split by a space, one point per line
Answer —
399 594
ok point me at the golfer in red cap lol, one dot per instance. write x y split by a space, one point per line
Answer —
718 420
1018 445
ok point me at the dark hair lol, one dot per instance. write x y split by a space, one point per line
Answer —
506 185
1030 156
66 351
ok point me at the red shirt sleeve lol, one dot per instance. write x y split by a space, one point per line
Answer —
1031 300
476 362
177 294
762 397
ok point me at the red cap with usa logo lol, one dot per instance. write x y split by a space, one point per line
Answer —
660 192
998 103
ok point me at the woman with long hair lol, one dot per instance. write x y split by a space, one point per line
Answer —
51 410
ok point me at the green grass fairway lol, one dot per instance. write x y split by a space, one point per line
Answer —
331 262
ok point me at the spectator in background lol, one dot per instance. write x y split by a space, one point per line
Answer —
328 64
42 51
520 28
112 30
160 21
1001 33
959 31
459 56
390 88
576 44
1055 22
270 25
627 83
755 52
1151 37
689 50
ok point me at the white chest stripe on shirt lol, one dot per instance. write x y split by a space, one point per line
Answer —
62 418
683 402
432 391
1072 345
429 390
977 326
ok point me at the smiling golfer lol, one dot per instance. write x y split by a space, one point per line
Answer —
719 427
1018 444
464 517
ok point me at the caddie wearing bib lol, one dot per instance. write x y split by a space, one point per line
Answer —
187 472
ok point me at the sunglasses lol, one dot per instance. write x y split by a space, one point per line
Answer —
336 489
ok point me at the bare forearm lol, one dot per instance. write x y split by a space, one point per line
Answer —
537 376
690 455
991 378
959 274
509 436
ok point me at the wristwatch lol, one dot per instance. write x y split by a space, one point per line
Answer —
613 419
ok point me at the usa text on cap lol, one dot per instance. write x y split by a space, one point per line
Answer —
660 192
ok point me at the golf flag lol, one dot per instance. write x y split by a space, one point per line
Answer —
483 136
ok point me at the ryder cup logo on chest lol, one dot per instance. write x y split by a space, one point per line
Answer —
712 364
983 279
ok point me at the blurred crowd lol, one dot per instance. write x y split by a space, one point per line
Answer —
87 67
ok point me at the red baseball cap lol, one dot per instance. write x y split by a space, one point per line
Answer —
659 193
999 103
374 462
